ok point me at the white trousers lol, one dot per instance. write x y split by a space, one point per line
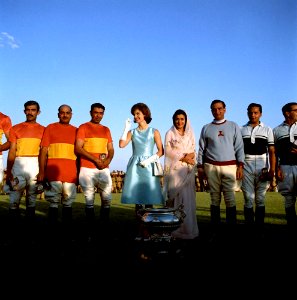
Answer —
92 180
288 187
221 179
60 192
253 189
26 170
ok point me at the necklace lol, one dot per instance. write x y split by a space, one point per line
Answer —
141 129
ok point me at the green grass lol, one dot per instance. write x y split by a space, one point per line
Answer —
123 212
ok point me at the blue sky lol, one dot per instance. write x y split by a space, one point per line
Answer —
167 54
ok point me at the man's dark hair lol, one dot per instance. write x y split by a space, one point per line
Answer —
217 101
255 105
32 102
98 105
288 107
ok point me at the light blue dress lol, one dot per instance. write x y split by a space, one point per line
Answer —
140 186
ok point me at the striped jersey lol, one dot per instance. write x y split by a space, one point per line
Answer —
257 139
285 137
27 137
95 137
61 161
5 125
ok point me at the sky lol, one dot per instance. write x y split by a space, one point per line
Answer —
178 54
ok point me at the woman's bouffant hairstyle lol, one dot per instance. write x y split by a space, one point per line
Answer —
144 109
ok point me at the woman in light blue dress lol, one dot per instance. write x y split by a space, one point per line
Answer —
141 187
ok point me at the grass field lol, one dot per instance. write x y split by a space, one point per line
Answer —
119 255
274 207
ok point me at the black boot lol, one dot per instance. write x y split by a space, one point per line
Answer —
53 216
231 224
14 224
104 215
259 221
30 224
215 222
90 216
291 222
104 222
291 216
249 222
249 216
53 223
67 223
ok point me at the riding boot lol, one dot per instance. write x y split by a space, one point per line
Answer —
259 220
104 221
67 223
215 222
30 223
90 216
249 222
248 216
53 223
14 224
291 222
231 223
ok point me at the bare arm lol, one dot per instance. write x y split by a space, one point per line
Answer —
80 151
159 144
10 160
42 159
6 145
105 163
272 161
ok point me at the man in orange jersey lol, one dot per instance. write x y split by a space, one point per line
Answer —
95 148
57 166
22 161
5 125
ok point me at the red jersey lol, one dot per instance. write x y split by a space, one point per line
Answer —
27 137
61 163
95 137
5 126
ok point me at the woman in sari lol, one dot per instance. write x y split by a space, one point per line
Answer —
179 173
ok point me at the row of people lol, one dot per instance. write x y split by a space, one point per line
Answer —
227 153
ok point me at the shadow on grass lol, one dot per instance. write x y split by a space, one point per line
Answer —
31 247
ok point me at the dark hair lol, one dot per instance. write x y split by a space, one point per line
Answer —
288 107
98 105
180 112
255 105
144 109
32 102
60 107
217 101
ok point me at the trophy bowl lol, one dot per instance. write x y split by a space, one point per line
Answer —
161 220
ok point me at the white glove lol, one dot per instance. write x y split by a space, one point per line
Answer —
149 160
126 129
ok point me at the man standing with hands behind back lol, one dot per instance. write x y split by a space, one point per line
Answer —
221 160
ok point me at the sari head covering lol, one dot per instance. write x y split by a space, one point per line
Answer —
177 174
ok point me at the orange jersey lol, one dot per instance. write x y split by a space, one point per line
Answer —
61 163
27 137
95 137
5 125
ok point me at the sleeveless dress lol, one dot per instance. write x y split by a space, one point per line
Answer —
140 186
